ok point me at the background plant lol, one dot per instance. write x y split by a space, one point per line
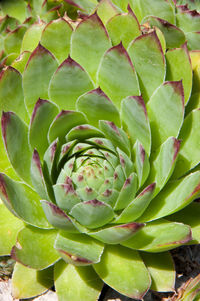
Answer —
116 172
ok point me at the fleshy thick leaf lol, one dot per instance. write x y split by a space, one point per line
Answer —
166 111
147 56
32 37
14 9
34 248
12 42
124 270
20 62
69 82
76 283
78 249
159 236
114 68
106 10
27 283
56 38
39 70
141 161
89 42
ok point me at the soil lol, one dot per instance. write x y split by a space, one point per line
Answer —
187 264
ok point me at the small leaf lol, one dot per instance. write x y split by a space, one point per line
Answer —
92 214
174 59
32 37
20 62
114 68
96 106
136 208
13 40
15 136
187 20
56 38
69 82
135 121
166 111
39 70
161 269
141 161
89 42
83 131
106 10
27 283
34 248
124 270
9 228
159 236
42 116
175 196
123 27
22 201
78 249
76 283
148 58
14 9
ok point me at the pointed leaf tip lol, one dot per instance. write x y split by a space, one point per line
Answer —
39 50
38 104
149 188
5 119
177 144
69 62
3 188
178 89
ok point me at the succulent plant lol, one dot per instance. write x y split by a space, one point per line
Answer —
99 161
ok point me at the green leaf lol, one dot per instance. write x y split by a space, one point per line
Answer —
15 136
27 283
147 57
106 10
158 8
83 131
20 62
87 5
15 9
9 228
42 116
69 82
174 36
39 70
189 155
34 248
50 162
175 196
96 106
76 283
141 162
32 36
78 249
135 121
161 269
176 58
116 234
188 21
189 216
22 201
89 42
159 236
57 217
123 27
193 40
136 208
12 42
117 76
124 270
56 38
166 111
92 214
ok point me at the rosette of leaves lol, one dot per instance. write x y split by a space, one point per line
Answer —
99 161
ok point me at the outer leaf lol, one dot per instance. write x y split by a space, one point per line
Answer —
9 227
43 114
174 36
78 249
76 283
106 10
114 68
190 136
56 38
32 36
15 136
175 196
89 42
34 248
13 40
176 58
161 269
69 82
159 236
123 27
39 69
20 62
27 283
166 111
136 122
14 9
124 270
96 106
148 58
187 20
193 39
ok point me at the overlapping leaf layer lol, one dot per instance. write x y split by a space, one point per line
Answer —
100 154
